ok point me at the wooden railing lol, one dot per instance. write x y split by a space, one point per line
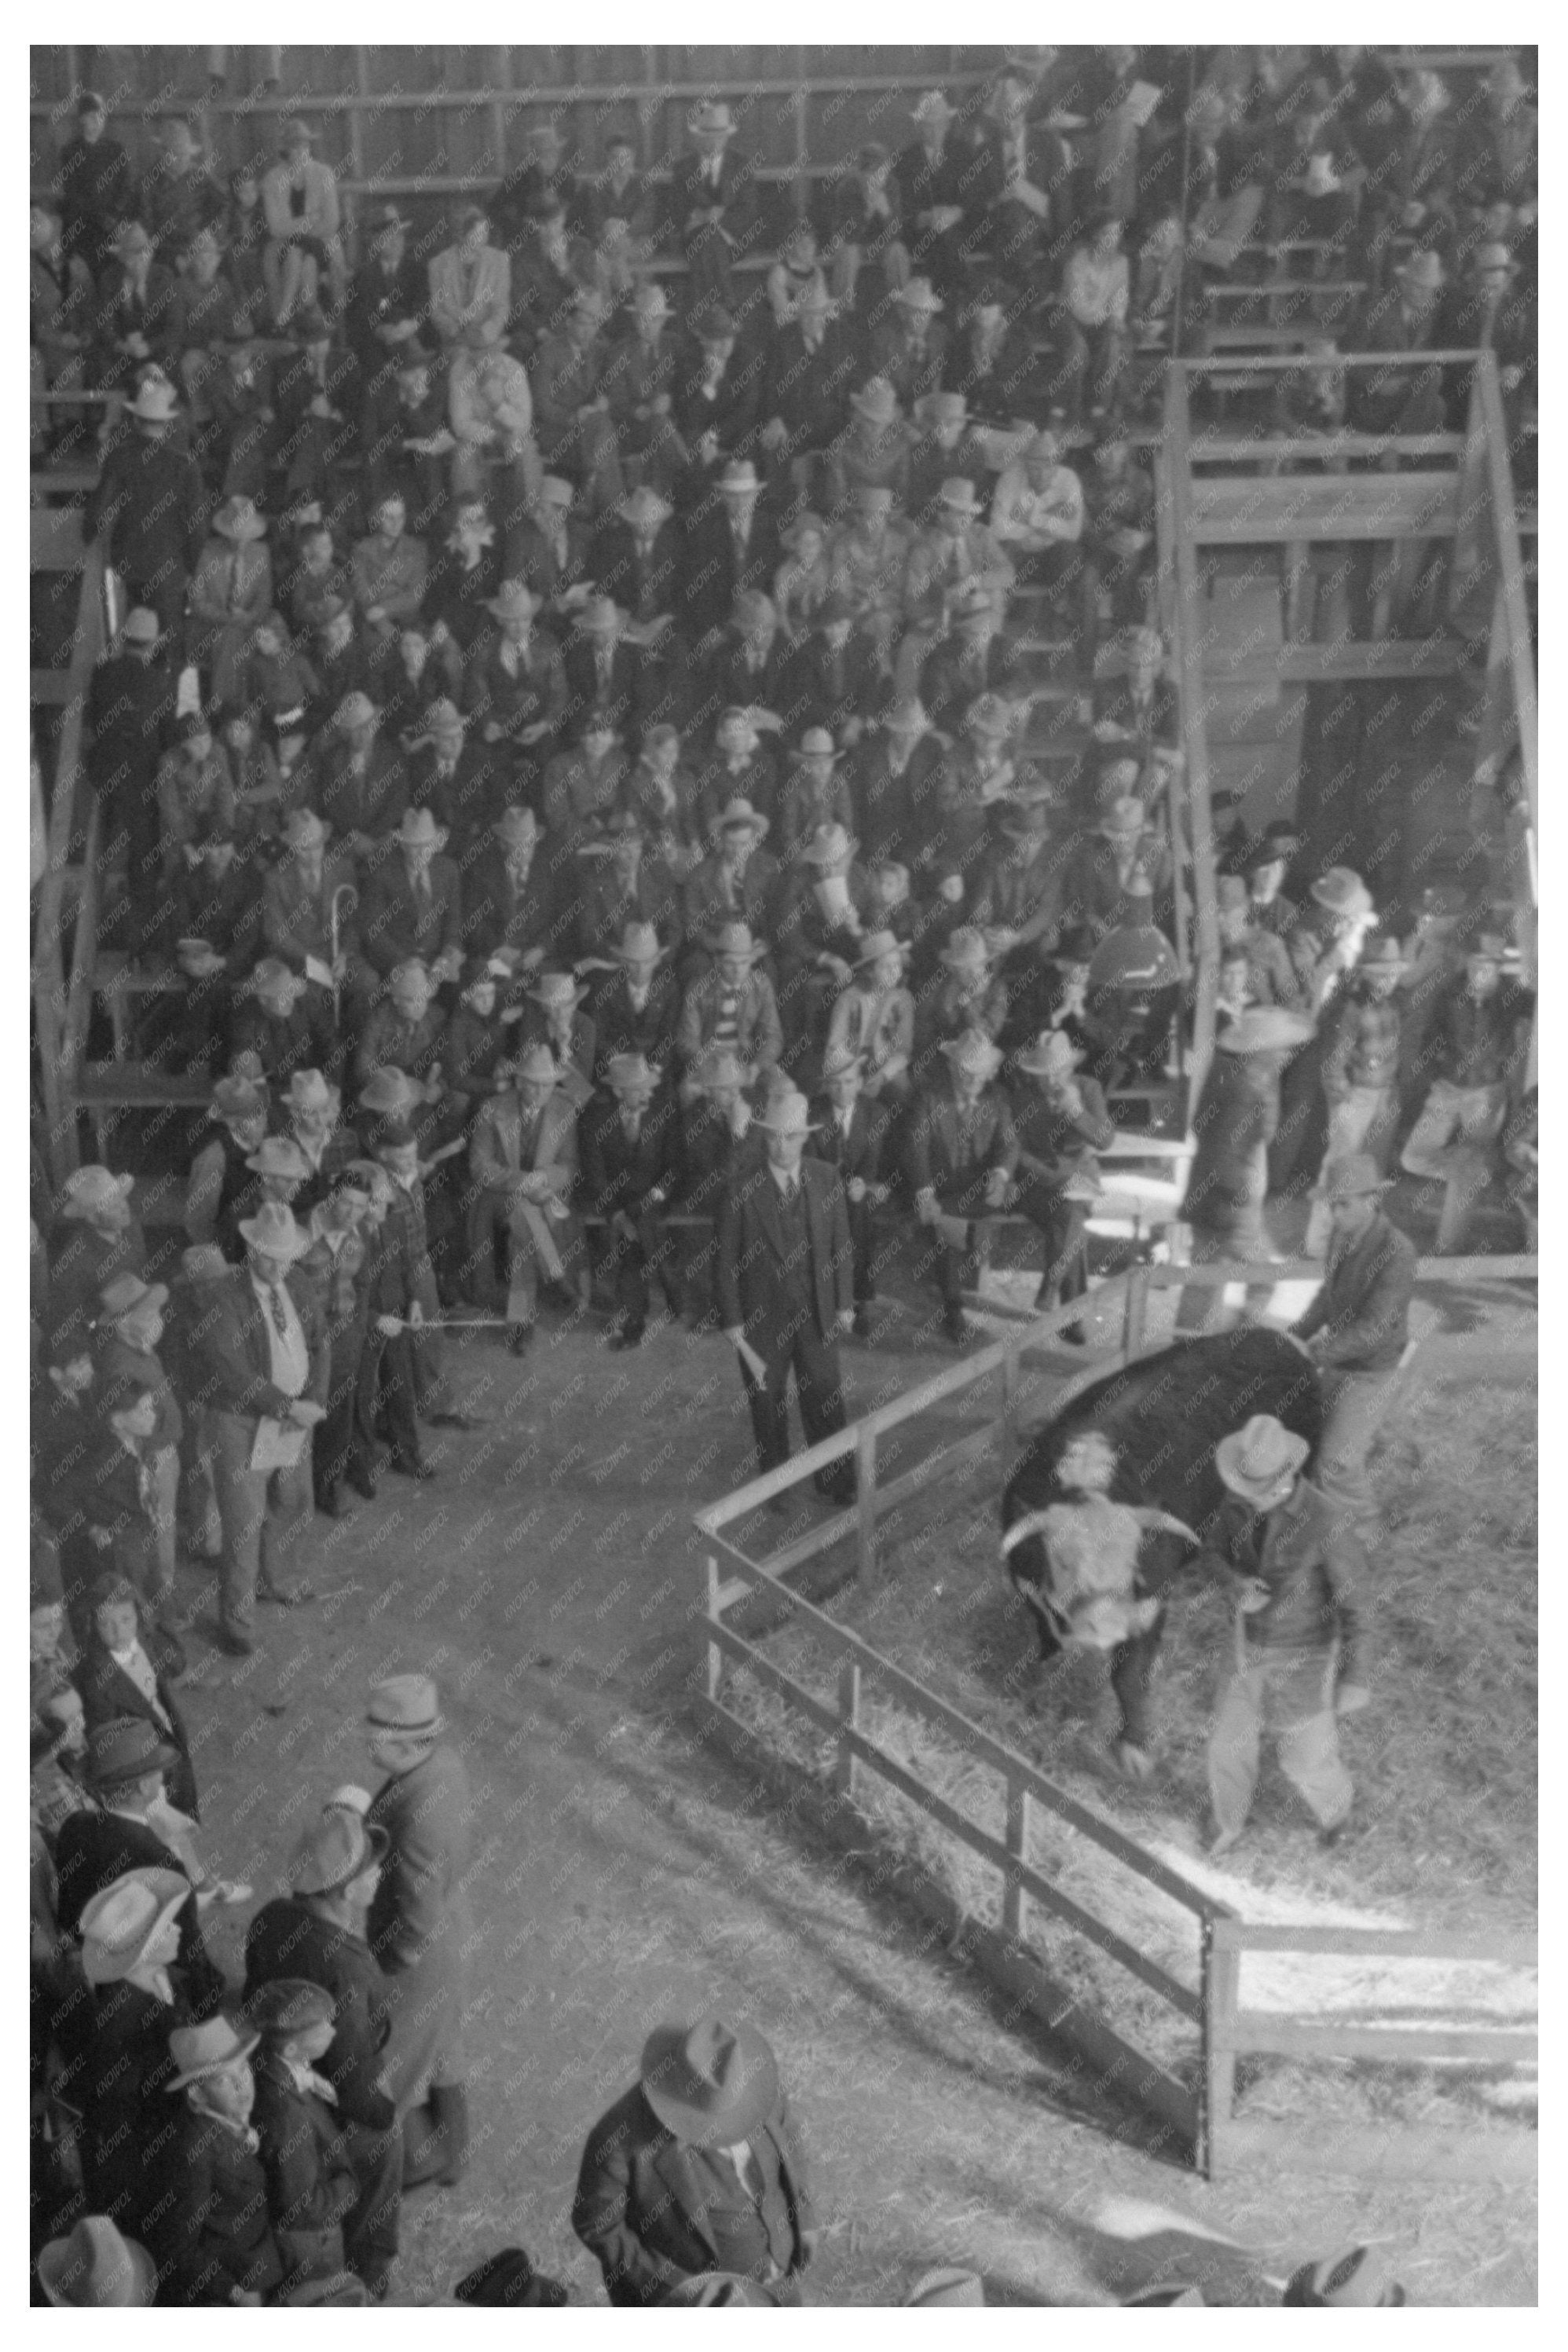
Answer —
1201 2119
60 1004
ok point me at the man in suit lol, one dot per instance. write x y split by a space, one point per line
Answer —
149 503
137 310
297 898
850 1132
631 1146
699 2168
637 555
569 374
515 906
362 787
624 886
1356 1327
733 543
523 1162
786 1288
413 903
716 398
814 361
470 283
1061 1121
127 1767
261 1363
713 207
733 1003
603 669
636 1007
962 1153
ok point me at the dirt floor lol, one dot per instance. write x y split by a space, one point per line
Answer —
548 1577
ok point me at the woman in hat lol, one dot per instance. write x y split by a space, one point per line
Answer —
138 1992
126 1671
230 593
1236 1118
420 1924
210 2225
1300 1635
699 2170
1061 1121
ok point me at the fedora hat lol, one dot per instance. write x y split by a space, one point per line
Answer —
879 943
1423 267
198 2050
624 1071
1265 1029
738 814
273 974
557 988
1354 1176
711 119
334 1850
639 943
127 1291
919 294
1342 891
1126 815
650 301
816 743
122 1920
127 1747
405 1703
934 106
143 627
876 402
418 829
753 609
235 1099
795 529
735 939
1384 955
238 520
1342 2283
1051 1055
719 1066
355 709
310 1090
95 2268
958 493
288 2005
644 507
972 1051
278 1155
516 825
388 1093
828 846
1259 1463
536 1065
934 408
711 2083
89 1191
513 601
739 475
989 715
274 1231
600 615
966 951
154 402
509 2278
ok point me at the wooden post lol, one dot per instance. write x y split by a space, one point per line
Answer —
1010 1394
801 135
1221 1973
711 1614
356 133
1015 1901
849 1714
1136 1315
498 107
866 1500
1176 519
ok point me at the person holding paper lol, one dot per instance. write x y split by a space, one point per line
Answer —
261 1361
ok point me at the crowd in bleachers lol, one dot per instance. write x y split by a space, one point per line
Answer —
568 714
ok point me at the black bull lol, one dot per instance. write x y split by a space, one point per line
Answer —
1163 1416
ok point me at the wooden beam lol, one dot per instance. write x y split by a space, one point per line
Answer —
1457 2152
1189 638
1260 2035
1351 660
1261 512
1239 449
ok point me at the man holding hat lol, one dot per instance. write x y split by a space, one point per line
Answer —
1356 1327
961 1155
263 1365
631 1167
786 1283
420 1924
713 207
1061 1122
1301 1647
698 2169
149 506
523 1158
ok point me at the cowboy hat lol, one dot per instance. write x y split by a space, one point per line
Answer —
273 1230
509 2278
87 1190
1125 815
235 1099
238 520
1052 1053
795 529
966 949
1354 1176
711 119
735 939
958 492
816 743
122 1919
738 475
972 1051
879 943
285 2006
355 709
1341 2283
639 943
1265 1029
557 988
515 824
1259 1463
95 2268
1423 267
278 1155
1384 955
988 714
154 402
128 1291
418 829
1342 892
600 614
198 2050
876 402
536 1065
388 1092
828 846
624 1071
717 1066
332 1850
405 1703
711 2083
143 627
650 301
273 975
738 813
934 408
127 1747
513 601
935 106
442 717
644 505
311 1090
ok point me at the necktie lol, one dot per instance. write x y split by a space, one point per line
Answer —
275 1308
632 1125
422 889
791 1194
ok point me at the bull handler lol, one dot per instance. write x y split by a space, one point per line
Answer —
1301 1640
1355 1327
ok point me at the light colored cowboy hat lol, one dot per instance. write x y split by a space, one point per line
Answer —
143 627
557 988
154 402
355 709
919 294
1052 1053
735 939
785 1112
738 475
966 949
712 2083
388 1092
1265 1029
879 943
988 714
555 490
639 943
87 1190
711 118
645 505
312 1090
442 717
600 615
650 301
1354 1176
828 846
118 1925
334 1850
958 493
516 825
198 2050
274 1233
96 2269
972 1051
624 1071
935 106
513 601
418 829
127 1292
238 520
1423 267
408 1702
876 402
278 1155
1126 815
738 813
1342 891
1259 1463
816 743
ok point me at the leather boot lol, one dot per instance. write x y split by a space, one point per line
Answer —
424 2146
449 2105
